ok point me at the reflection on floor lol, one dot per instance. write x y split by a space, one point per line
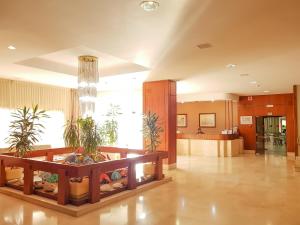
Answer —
275 149
254 190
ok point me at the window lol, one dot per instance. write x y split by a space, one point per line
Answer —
53 132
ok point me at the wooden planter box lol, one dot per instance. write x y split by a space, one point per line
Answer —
149 169
13 173
79 189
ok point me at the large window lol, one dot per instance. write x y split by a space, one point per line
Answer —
130 121
53 133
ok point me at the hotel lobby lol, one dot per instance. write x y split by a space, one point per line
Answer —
149 112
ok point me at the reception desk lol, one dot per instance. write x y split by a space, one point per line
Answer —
216 145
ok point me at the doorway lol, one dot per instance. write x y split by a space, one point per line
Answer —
271 135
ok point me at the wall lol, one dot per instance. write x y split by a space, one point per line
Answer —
192 109
283 105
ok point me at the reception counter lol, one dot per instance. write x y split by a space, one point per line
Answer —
216 145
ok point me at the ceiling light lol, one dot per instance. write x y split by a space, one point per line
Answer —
253 82
149 5
231 65
11 47
266 91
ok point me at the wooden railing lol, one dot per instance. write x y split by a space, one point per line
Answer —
67 171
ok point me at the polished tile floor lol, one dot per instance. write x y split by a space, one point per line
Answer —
254 190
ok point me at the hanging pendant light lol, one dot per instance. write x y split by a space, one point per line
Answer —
88 78
149 5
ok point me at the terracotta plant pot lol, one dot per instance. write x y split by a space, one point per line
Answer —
13 173
79 189
149 169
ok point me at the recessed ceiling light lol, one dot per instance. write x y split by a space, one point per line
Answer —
253 82
149 5
266 91
11 47
231 65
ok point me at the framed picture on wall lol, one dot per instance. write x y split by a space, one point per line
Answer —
207 120
181 120
246 120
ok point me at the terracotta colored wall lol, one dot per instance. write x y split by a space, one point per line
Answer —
283 106
194 108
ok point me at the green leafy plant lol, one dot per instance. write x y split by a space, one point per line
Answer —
110 129
89 135
25 130
151 131
71 134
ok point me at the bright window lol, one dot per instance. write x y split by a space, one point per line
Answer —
53 132
130 121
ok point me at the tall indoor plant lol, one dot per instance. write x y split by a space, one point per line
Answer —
71 134
85 133
111 125
24 132
151 133
26 129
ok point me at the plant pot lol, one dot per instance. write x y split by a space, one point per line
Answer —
149 169
79 189
13 173
50 187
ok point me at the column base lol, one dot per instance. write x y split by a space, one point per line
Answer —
170 166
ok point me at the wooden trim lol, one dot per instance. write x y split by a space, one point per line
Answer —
208 136
66 171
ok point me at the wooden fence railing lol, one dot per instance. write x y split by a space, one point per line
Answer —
67 171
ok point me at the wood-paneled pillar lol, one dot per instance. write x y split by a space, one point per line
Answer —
160 97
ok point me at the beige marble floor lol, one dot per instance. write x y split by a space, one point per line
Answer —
254 190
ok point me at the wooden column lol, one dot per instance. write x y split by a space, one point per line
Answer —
160 97
28 180
131 176
295 104
159 168
94 186
63 188
2 174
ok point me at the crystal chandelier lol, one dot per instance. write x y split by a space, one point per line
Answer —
88 78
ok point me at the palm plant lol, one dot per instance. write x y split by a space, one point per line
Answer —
89 135
151 131
25 130
71 134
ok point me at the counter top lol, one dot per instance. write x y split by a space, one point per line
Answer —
208 136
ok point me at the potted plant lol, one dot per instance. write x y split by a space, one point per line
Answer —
84 133
25 130
151 132
71 134
111 124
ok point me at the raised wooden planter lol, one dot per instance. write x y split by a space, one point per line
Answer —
69 192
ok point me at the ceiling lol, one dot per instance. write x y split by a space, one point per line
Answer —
261 37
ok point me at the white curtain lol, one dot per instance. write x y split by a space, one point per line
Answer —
60 103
